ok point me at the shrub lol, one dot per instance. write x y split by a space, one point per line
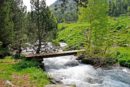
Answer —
26 64
4 52
123 56
124 60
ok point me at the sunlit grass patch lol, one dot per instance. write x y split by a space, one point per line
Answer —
29 76
73 34
123 55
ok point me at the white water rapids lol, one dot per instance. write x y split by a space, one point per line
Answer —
67 70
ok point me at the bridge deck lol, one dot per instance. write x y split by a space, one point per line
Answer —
41 56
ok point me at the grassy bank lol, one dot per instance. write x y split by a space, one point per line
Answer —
74 35
124 56
21 74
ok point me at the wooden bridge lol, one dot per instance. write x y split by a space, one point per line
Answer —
41 56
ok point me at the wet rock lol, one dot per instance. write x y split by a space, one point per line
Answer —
63 45
55 81
46 47
80 57
88 61
72 63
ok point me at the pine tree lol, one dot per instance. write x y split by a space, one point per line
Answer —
19 14
43 20
6 23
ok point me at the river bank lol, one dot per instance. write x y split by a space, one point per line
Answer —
61 72
19 73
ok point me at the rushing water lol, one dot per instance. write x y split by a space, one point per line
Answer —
67 70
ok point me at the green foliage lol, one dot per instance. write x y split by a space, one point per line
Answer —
73 34
4 52
119 40
35 76
120 23
6 23
119 28
124 56
12 25
82 14
19 28
118 7
23 64
44 23
103 33
97 41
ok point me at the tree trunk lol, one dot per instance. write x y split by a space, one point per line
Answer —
39 47
39 32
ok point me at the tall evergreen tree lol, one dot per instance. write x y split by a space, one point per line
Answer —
43 20
6 23
19 14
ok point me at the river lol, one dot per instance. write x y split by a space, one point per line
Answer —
69 71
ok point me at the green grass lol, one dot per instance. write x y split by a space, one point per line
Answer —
29 76
124 56
73 34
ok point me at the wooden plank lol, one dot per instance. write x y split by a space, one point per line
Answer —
37 56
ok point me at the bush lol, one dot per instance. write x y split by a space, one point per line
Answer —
124 56
124 60
4 52
26 64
